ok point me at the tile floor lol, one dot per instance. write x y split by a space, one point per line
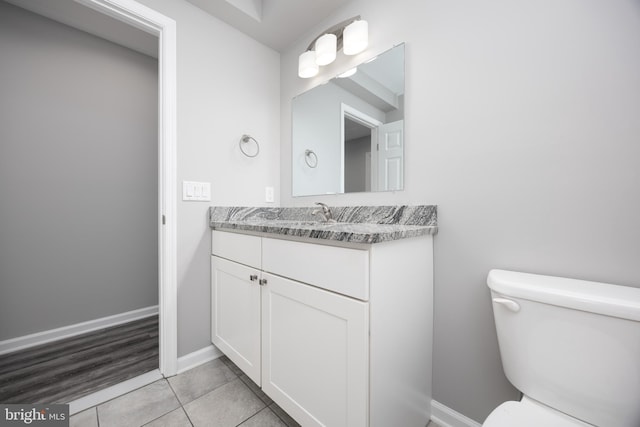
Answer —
216 393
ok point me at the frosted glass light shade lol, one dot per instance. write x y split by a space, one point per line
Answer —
326 47
307 66
348 73
355 37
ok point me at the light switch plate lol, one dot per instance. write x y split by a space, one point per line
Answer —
196 191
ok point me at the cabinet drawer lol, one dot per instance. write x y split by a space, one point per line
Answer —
341 270
236 247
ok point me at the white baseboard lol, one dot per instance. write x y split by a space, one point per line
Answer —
447 417
198 357
114 391
26 341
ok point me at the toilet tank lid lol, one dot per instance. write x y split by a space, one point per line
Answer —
602 298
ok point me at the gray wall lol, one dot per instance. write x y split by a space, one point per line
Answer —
523 126
227 85
356 177
78 176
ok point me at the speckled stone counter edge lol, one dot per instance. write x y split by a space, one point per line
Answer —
356 224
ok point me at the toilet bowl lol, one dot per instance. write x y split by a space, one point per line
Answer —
571 347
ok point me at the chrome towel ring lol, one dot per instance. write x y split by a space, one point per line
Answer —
310 158
245 140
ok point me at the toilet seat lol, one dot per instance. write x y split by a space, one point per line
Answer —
529 413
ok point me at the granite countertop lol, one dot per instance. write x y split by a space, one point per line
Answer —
355 224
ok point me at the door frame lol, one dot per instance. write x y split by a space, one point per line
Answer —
152 22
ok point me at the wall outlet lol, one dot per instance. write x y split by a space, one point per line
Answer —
196 191
269 196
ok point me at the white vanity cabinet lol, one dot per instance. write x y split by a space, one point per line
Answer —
336 334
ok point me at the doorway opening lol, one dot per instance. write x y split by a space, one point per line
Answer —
139 16
359 139
136 15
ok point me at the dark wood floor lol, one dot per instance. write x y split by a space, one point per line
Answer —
65 370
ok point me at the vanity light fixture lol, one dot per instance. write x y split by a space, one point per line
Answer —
356 37
352 36
307 66
326 48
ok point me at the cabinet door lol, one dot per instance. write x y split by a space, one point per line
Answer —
235 314
315 353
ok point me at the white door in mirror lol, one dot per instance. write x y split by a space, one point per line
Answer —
391 156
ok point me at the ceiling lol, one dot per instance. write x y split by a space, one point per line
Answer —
74 14
275 23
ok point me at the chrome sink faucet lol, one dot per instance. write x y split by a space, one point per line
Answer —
325 211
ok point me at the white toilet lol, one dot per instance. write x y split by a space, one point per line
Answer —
571 347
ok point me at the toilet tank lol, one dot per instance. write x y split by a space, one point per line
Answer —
570 344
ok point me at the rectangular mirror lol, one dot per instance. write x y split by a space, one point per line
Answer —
348 134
